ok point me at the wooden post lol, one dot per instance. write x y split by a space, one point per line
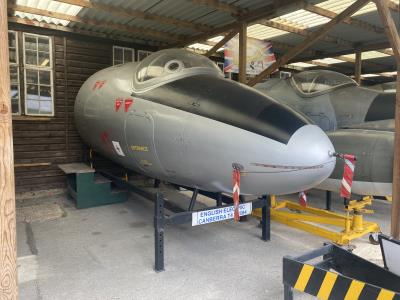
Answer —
310 40
8 250
357 67
242 51
222 42
393 36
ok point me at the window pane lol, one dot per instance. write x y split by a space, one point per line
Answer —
14 74
127 55
32 76
46 107
44 77
12 40
44 44
13 55
118 62
15 106
118 54
32 106
14 92
32 92
31 57
14 95
45 93
30 42
44 59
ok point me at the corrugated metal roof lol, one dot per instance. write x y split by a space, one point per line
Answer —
207 15
49 5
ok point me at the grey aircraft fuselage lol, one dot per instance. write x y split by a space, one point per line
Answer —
358 121
174 117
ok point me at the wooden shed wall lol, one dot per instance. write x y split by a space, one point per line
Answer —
40 144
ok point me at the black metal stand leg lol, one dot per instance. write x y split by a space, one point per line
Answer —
328 200
157 183
266 219
288 292
193 200
219 199
159 233
242 200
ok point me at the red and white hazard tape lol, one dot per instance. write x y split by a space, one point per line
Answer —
348 174
236 193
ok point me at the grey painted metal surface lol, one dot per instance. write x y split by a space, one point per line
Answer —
358 121
188 142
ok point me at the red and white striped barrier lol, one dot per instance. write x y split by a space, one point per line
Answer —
348 174
236 192
303 199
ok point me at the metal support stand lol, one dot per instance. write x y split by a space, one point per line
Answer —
328 200
266 219
157 183
219 199
159 233
193 199
180 216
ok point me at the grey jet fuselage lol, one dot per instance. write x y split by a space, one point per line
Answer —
357 120
174 117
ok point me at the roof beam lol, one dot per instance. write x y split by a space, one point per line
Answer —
130 29
305 32
24 21
222 6
351 21
132 13
268 11
367 47
221 43
310 40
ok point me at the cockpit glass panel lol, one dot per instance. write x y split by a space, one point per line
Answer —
170 63
318 81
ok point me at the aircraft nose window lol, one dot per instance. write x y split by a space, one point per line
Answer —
310 82
171 64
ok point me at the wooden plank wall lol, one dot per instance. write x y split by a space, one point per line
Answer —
51 141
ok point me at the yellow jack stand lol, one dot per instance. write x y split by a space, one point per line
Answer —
310 219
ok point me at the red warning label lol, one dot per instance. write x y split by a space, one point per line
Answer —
128 103
118 103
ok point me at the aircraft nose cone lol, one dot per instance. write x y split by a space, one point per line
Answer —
313 151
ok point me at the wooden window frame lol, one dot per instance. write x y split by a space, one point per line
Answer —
16 64
35 67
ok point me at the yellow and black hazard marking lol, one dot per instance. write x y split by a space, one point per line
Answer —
327 285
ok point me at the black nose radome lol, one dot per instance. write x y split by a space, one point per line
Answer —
231 103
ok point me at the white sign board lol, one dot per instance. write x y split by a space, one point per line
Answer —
219 214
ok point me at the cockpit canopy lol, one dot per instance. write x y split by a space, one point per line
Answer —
171 64
320 81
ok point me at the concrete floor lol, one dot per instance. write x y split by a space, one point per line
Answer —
107 253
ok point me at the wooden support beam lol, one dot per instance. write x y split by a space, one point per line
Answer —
393 36
390 27
8 248
222 42
120 27
267 11
132 13
310 40
222 6
306 32
43 24
357 67
351 21
242 51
